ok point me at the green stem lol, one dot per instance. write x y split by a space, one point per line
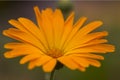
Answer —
52 75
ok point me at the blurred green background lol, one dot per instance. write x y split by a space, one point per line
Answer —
107 11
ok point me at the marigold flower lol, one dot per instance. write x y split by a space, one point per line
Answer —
55 40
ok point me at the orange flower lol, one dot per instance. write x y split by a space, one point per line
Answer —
55 40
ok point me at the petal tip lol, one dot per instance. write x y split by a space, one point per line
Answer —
36 8
100 22
21 62
6 55
31 67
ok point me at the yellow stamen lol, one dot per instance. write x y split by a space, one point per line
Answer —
55 53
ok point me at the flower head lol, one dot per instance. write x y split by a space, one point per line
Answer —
54 40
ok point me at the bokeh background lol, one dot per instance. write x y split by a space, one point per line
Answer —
107 11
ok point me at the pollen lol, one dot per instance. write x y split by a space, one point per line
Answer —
55 53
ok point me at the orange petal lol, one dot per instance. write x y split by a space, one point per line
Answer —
88 28
99 48
93 42
75 29
49 66
32 64
33 29
86 39
18 25
44 59
29 25
38 16
48 12
27 28
67 29
81 61
47 28
81 68
88 55
29 58
85 30
14 53
23 37
58 25
94 62
68 62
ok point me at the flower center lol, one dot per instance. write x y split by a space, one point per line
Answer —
55 53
